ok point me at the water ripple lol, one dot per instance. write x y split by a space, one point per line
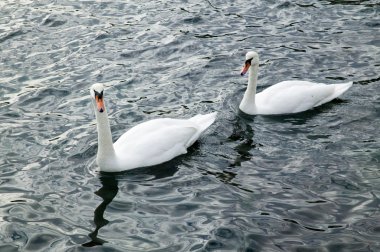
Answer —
302 182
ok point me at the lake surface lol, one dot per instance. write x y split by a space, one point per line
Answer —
302 182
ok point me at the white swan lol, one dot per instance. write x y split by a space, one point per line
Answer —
146 144
287 96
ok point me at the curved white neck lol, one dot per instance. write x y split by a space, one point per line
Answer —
247 105
106 153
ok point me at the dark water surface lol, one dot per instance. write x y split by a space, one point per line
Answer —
305 182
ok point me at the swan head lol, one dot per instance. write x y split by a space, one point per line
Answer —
251 59
97 91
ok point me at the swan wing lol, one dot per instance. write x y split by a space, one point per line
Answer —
295 96
154 142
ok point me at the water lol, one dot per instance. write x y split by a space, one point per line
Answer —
304 182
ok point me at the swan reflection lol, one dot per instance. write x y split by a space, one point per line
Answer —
110 188
107 192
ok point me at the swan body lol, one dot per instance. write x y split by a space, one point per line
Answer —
285 97
149 143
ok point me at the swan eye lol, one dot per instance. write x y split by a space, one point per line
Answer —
248 61
99 95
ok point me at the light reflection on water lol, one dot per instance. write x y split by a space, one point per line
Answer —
266 183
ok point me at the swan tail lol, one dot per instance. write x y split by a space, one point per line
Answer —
338 89
204 121
341 88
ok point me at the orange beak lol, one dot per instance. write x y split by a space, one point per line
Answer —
99 104
245 68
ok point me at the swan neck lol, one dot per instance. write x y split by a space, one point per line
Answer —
105 145
248 105
252 82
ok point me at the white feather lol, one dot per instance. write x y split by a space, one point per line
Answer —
287 96
146 144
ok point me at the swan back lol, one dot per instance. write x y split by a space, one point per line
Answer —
296 96
159 140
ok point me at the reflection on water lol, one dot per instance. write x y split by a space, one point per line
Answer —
107 192
110 188
243 135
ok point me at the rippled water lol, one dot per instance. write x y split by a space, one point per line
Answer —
305 182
